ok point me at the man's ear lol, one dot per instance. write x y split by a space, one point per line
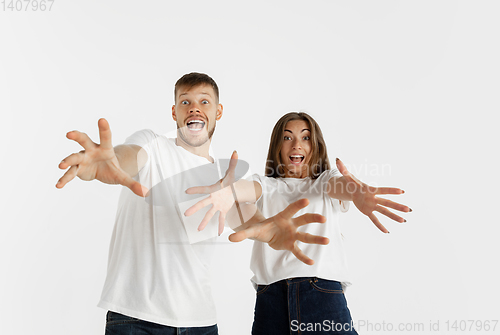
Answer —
174 116
219 112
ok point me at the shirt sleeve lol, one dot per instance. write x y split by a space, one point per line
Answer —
258 179
143 138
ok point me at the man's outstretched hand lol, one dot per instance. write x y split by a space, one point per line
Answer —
280 231
97 161
221 196
366 200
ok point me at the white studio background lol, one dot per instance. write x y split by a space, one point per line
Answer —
405 92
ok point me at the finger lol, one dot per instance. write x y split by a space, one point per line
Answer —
104 134
343 170
222 221
301 256
294 208
197 206
389 214
67 177
377 223
389 190
229 176
349 177
243 234
203 189
207 218
308 218
73 159
233 162
312 239
341 167
82 139
393 205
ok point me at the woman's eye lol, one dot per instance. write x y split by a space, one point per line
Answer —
307 138
287 138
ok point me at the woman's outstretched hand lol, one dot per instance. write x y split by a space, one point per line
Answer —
97 161
366 200
280 231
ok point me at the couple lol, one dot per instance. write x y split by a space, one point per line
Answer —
158 283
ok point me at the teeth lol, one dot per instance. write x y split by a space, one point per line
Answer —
195 121
297 156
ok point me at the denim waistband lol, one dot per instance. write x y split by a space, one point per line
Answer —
296 280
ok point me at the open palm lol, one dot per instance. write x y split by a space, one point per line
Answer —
280 231
96 161
366 199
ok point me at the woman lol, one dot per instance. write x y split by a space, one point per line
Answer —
295 293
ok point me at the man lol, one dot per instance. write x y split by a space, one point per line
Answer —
158 282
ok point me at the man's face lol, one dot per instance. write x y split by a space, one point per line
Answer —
196 111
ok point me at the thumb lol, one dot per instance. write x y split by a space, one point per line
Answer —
233 162
343 170
135 187
341 167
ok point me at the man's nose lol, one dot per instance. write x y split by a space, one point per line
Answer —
194 108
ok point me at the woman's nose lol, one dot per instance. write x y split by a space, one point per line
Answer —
296 144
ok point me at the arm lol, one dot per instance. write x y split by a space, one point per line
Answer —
103 162
131 158
246 191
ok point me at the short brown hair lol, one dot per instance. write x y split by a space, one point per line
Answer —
194 79
318 163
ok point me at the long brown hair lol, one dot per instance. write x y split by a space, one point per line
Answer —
318 162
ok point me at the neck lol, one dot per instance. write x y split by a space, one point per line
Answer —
299 175
202 150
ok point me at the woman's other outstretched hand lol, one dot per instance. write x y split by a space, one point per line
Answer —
366 199
280 231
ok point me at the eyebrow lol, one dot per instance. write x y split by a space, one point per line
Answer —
301 131
202 93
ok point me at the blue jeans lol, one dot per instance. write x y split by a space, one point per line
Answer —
302 306
118 324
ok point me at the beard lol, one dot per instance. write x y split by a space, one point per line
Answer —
194 141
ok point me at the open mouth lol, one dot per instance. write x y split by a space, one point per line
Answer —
195 125
296 159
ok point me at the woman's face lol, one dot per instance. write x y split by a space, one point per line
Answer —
296 149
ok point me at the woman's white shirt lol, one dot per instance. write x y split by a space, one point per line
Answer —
269 265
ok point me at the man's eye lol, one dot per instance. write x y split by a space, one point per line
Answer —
184 102
204 102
